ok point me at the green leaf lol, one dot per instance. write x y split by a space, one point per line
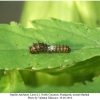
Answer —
83 41
11 81
15 41
88 87
14 44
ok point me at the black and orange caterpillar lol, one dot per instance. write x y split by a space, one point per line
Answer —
41 47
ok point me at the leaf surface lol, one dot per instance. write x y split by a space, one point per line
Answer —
15 41
11 81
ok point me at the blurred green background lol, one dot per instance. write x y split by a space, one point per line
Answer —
75 11
86 12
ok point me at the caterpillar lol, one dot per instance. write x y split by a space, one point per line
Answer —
42 47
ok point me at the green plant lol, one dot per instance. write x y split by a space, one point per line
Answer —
77 71
46 72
